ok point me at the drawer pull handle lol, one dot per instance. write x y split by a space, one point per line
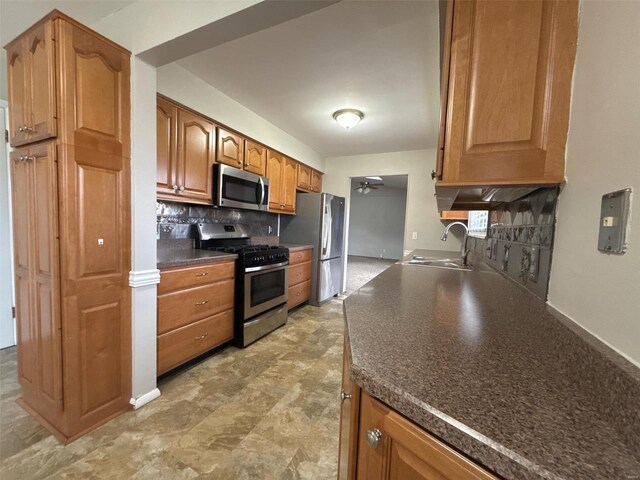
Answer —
202 337
373 437
203 274
204 302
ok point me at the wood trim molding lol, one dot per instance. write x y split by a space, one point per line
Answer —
142 400
143 278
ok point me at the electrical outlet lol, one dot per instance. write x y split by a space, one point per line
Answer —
414 236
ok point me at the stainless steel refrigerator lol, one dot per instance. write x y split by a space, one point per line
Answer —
319 221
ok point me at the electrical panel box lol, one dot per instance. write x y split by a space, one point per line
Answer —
614 221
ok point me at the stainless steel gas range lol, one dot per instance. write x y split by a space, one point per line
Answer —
262 279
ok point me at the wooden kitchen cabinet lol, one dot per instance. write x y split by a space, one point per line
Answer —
454 215
377 443
185 154
230 149
71 225
506 89
195 312
32 85
304 177
283 180
299 277
167 147
255 158
316 181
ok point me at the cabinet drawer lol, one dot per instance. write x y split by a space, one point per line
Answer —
193 276
299 293
182 307
299 256
299 273
185 343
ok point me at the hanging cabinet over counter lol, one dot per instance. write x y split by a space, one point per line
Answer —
506 91
189 143
71 214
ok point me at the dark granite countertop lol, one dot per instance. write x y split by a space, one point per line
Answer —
170 257
484 365
294 246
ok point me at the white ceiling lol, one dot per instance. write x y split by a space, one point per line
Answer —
17 15
381 57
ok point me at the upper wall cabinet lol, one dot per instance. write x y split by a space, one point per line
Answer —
32 85
283 180
309 180
255 158
230 149
185 150
506 86
316 181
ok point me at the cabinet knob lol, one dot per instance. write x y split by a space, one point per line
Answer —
344 395
203 274
202 337
433 175
204 302
25 128
20 129
181 188
373 437
175 188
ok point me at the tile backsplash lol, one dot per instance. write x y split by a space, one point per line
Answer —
176 220
520 239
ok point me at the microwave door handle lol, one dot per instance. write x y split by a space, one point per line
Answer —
261 193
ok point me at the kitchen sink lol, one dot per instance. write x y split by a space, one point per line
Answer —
451 263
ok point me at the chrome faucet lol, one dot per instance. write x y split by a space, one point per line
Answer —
464 251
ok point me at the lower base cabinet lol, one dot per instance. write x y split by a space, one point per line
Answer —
377 443
299 277
195 312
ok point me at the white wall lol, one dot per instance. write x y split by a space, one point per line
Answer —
376 223
3 75
181 85
422 213
601 292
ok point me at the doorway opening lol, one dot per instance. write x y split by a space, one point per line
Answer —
377 211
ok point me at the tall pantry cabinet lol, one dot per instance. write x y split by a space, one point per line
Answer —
70 168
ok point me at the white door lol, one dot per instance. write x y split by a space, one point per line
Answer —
7 323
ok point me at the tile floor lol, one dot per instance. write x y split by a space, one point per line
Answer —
270 411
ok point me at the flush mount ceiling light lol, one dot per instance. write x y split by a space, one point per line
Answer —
348 117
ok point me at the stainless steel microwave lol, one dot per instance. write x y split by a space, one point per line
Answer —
236 188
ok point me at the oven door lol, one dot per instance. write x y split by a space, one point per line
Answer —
239 189
265 287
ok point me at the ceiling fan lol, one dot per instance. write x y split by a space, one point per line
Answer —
366 186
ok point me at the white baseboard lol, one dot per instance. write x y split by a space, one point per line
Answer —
142 278
142 400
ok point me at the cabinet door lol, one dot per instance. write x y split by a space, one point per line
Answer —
304 177
17 73
275 171
255 158
316 181
95 92
37 278
289 184
22 202
511 65
195 158
349 416
41 82
166 131
230 149
404 451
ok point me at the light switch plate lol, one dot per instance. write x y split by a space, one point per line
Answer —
614 221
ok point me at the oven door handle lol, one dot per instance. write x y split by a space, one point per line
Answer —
261 202
266 267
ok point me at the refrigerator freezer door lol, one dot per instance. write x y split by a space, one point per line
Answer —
329 278
332 227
